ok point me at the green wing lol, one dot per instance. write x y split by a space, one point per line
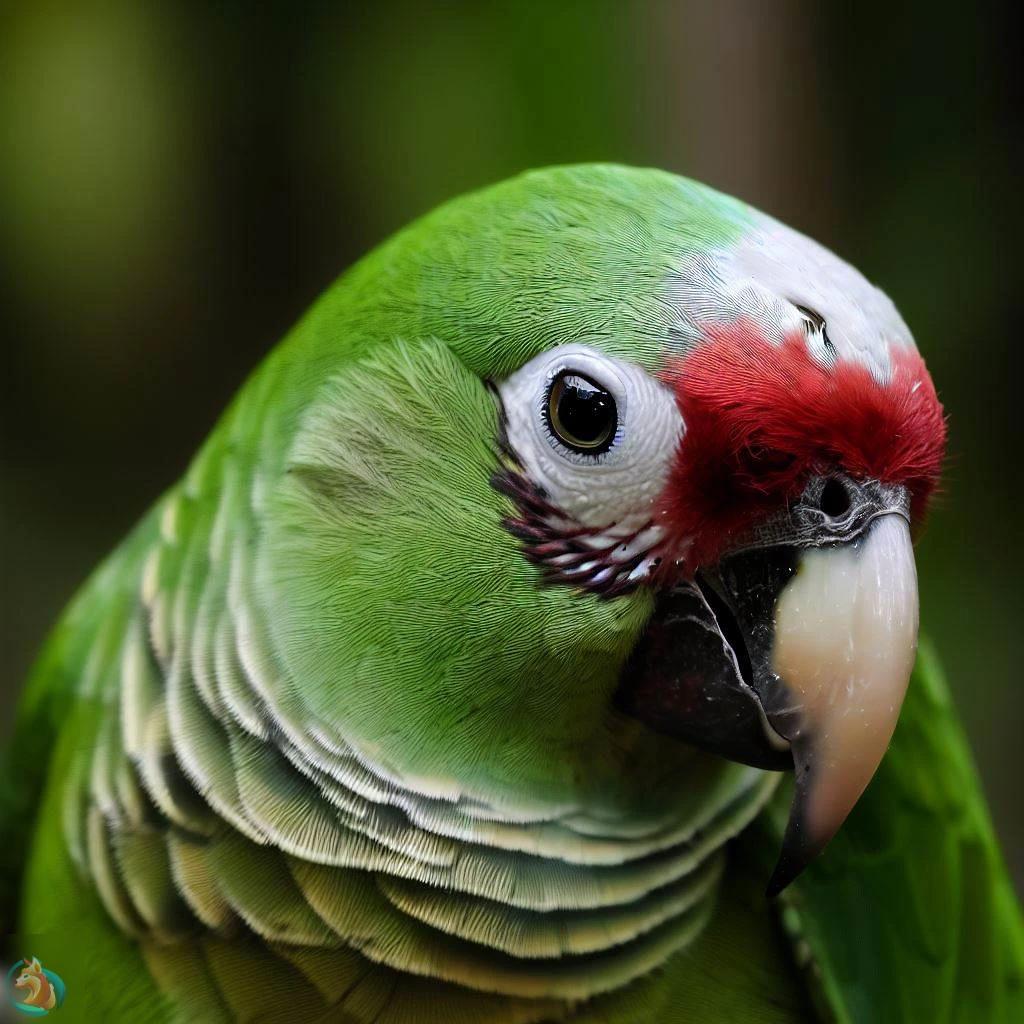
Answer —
53 695
909 915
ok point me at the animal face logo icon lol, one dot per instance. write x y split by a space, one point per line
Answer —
32 990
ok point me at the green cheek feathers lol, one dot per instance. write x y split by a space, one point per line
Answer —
422 635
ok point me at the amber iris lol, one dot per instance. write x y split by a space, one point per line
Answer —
581 414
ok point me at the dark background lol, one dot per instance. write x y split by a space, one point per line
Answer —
177 183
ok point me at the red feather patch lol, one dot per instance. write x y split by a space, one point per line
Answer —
761 417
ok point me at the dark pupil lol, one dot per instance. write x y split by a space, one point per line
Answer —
582 413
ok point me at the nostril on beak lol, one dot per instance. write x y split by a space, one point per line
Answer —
835 499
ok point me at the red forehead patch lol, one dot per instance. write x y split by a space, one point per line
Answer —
761 417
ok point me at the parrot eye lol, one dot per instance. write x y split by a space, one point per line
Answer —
595 433
581 413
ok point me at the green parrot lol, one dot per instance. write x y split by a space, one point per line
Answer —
528 625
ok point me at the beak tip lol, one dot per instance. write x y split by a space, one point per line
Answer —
787 869
801 844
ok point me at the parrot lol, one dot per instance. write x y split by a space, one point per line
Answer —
532 620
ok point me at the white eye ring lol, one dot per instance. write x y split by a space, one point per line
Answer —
617 483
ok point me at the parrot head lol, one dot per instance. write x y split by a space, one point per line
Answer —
665 486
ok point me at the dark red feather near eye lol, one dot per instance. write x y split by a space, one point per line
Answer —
761 417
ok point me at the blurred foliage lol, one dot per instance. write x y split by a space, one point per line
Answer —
178 182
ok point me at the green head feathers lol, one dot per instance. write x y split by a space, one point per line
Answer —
395 592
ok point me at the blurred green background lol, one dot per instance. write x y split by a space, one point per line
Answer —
177 183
